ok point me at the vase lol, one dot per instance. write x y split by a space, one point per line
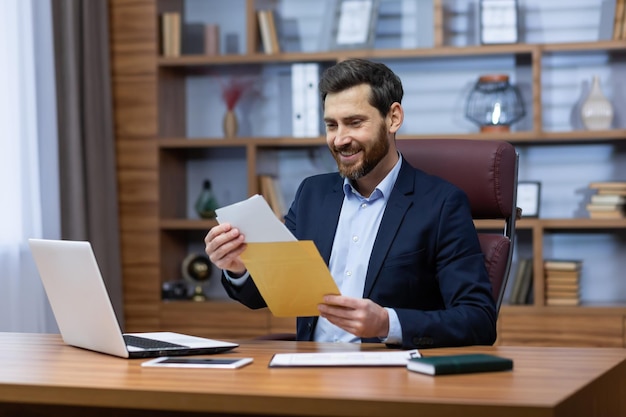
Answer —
230 124
596 111
206 203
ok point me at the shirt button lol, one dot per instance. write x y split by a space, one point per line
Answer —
349 273
355 239
364 205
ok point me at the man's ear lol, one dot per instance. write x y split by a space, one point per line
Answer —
395 117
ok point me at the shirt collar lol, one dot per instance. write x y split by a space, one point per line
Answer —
383 189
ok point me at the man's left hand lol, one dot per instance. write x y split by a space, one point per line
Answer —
359 316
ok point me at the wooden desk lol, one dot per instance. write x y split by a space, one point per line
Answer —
40 376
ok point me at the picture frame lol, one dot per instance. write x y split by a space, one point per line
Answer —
528 197
354 24
499 22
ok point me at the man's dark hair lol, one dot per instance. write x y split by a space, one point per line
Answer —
386 86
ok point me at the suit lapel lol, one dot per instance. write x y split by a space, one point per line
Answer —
327 220
397 206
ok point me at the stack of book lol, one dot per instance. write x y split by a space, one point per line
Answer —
562 278
609 200
521 292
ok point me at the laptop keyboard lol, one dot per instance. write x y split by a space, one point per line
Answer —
145 343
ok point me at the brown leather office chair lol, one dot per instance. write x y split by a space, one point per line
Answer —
487 171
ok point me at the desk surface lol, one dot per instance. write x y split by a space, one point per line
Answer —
39 374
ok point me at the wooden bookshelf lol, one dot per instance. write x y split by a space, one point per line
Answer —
153 149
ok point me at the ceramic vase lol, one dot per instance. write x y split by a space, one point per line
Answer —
596 111
206 203
230 124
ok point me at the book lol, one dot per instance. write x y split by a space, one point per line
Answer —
271 20
608 199
312 103
521 284
604 206
264 30
607 20
526 283
608 185
273 196
562 264
516 282
565 293
192 39
459 364
602 191
298 100
618 25
558 286
562 301
267 29
606 214
170 34
555 275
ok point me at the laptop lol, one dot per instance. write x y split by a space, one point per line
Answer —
84 313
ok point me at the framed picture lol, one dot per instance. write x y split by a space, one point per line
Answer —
528 195
354 24
498 22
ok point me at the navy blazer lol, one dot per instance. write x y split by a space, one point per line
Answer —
426 262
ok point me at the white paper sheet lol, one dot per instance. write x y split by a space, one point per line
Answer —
256 220
352 358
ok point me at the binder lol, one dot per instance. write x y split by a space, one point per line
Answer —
312 99
298 100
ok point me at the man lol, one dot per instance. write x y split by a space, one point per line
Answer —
400 244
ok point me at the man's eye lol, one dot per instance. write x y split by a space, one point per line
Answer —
355 123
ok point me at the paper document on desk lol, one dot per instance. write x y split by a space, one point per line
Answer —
291 275
352 358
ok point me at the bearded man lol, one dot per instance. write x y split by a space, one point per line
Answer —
400 244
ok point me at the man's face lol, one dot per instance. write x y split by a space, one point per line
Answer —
355 132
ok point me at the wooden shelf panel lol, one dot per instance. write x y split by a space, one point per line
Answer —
186 224
584 309
333 56
558 224
183 143
519 138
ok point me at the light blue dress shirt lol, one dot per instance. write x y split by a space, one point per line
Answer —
358 225
356 232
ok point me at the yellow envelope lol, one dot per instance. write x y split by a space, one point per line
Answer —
292 277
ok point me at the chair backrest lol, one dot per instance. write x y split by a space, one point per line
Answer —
486 170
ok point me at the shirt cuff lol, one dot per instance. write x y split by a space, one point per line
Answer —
395 330
237 282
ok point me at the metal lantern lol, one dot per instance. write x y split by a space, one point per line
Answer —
494 104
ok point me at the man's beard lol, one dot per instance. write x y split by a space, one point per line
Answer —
371 156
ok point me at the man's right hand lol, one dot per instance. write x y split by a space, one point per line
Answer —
224 244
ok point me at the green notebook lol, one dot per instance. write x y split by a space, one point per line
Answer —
459 364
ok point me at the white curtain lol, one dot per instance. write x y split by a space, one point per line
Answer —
28 171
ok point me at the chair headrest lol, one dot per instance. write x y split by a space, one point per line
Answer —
485 169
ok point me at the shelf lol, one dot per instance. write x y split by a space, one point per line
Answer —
156 98
613 309
558 224
444 51
184 143
186 224
521 138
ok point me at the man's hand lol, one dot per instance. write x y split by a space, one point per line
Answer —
224 244
359 316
